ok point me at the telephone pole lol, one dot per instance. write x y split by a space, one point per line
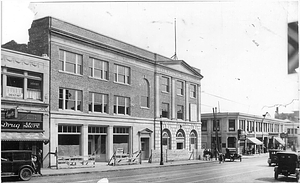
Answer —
216 129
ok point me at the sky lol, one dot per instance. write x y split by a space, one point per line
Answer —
240 47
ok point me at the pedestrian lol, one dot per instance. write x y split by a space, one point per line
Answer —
38 164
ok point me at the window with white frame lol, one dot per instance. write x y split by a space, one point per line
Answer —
70 99
22 84
165 84
98 68
231 124
193 91
180 112
180 88
122 74
121 105
98 102
145 94
70 62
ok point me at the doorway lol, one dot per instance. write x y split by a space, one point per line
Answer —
145 148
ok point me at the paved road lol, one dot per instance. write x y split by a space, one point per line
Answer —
248 171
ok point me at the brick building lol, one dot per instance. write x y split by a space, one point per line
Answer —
24 102
260 131
107 95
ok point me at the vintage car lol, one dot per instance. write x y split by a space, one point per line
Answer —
17 163
287 164
232 155
272 156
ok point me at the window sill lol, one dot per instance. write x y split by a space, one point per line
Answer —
145 108
125 84
71 73
90 77
179 95
165 92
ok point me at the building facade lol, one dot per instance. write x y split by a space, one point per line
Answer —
258 133
25 102
107 95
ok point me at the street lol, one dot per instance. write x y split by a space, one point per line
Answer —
249 170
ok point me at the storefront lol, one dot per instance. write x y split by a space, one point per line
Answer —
23 131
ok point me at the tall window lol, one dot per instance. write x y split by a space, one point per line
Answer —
231 125
165 84
121 105
98 102
22 84
165 110
70 62
179 88
216 125
166 139
193 91
98 68
180 139
145 94
180 112
193 140
70 99
204 125
122 74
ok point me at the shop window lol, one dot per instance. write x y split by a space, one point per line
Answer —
165 84
70 99
98 102
70 62
165 110
180 112
231 125
121 105
122 74
98 68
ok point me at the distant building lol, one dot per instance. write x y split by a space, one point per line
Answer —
260 133
107 95
24 102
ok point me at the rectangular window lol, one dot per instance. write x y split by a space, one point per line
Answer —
216 125
98 68
16 81
204 125
70 62
179 88
70 99
122 74
98 102
122 105
179 112
231 125
165 84
165 110
193 91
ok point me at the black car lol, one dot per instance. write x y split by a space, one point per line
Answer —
17 163
232 155
272 156
288 164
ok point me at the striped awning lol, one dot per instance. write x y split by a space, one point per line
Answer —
279 140
17 136
254 141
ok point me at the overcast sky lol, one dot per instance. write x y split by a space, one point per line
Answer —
241 48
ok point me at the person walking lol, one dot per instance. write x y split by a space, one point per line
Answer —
39 161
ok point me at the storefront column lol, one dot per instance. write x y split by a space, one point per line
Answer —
110 142
84 140
53 142
187 107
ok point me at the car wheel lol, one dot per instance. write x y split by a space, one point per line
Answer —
25 174
276 175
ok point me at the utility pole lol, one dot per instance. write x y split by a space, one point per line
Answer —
216 131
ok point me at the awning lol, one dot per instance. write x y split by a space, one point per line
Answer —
16 136
279 140
254 141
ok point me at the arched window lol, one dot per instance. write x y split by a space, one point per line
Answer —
166 139
193 140
180 139
145 94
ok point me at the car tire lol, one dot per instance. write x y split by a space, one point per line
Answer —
276 175
25 174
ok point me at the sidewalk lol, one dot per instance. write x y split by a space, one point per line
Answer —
103 167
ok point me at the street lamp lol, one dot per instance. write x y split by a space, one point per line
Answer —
161 144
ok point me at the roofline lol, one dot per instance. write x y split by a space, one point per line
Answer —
25 54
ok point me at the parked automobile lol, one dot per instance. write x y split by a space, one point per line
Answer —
272 156
232 155
288 164
17 163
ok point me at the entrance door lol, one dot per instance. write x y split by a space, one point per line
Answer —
145 148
